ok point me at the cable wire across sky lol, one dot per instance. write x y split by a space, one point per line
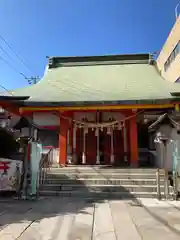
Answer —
17 55
4 60
12 59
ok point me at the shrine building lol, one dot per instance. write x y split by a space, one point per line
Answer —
95 103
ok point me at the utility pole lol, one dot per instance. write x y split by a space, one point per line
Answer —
32 80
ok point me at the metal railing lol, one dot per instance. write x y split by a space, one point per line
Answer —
158 182
45 166
162 174
165 189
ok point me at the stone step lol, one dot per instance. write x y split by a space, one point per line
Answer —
101 188
56 175
104 170
99 195
105 181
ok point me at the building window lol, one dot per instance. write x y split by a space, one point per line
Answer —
172 56
176 49
178 80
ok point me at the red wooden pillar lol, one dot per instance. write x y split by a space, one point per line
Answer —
79 145
91 147
71 137
64 124
107 147
133 141
118 147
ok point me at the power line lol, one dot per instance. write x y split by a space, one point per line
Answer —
30 80
89 87
17 54
12 67
61 89
79 90
6 89
86 90
6 53
11 59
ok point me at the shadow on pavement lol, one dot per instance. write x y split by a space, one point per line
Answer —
17 211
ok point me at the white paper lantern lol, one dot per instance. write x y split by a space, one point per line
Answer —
119 126
108 130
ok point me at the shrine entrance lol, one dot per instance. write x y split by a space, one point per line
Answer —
107 138
99 146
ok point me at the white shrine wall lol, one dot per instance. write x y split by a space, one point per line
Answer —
115 115
45 119
79 116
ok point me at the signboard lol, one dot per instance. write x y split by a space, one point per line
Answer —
45 119
36 153
175 156
10 174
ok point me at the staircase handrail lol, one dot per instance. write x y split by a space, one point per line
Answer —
44 166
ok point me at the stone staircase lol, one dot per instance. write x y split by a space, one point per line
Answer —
101 182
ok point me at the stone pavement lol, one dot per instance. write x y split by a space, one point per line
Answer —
68 219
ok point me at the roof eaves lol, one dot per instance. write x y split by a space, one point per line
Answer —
93 103
14 98
97 63
154 125
158 121
89 60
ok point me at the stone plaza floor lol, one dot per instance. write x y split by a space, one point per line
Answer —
74 219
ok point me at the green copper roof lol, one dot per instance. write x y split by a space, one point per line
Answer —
95 80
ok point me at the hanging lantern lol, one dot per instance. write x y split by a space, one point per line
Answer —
96 132
119 127
85 130
145 121
134 110
108 130
75 127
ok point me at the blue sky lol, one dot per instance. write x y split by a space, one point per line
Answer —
40 28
